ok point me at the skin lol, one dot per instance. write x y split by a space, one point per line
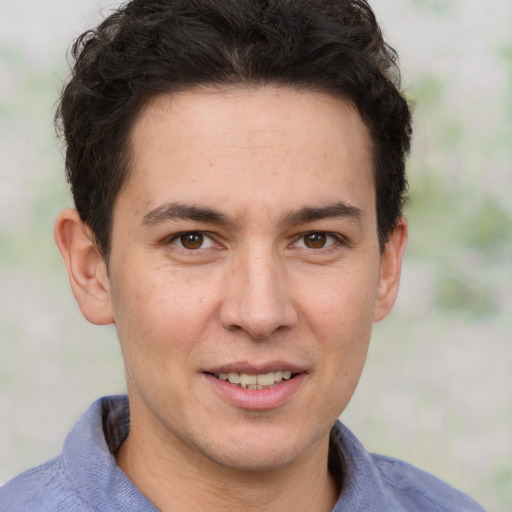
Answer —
252 173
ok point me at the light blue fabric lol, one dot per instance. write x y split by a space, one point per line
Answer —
85 477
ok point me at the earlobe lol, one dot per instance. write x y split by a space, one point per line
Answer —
86 267
391 268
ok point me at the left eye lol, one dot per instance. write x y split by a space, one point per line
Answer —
316 240
193 240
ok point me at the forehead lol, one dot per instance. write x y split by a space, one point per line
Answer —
280 144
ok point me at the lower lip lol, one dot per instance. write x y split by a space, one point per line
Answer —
257 399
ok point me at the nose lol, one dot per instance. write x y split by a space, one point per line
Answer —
258 298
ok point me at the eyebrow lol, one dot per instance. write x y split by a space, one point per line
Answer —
172 211
311 214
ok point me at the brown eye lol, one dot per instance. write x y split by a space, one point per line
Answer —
191 241
315 240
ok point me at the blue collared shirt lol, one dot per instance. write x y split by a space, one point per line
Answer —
86 478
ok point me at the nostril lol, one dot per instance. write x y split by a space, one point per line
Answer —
257 303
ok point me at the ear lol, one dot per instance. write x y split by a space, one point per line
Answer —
390 269
86 267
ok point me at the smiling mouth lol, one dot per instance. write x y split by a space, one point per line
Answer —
256 381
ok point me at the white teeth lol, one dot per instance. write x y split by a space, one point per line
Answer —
248 380
259 381
234 378
266 379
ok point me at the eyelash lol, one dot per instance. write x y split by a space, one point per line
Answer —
335 240
177 240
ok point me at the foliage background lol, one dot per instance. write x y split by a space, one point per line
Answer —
437 389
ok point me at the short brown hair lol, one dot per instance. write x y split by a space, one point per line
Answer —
150 47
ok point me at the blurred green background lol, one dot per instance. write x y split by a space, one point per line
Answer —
437 389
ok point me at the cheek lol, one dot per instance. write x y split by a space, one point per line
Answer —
161 314
340 314
160 327
343 302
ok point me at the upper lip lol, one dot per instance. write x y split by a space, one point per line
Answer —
252 368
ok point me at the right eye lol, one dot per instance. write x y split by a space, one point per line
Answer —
192 240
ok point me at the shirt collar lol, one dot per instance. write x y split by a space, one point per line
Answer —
90 450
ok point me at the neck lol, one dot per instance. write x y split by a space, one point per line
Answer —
174 479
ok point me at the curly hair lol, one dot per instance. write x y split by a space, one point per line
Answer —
152 47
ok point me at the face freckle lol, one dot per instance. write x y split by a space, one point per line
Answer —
255 299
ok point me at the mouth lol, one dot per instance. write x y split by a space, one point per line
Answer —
257 387
266 380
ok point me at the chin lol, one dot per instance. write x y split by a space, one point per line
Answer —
255 461
258 453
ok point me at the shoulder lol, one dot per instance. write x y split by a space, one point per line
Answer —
372 482
78 479
42 489
85 476
415 489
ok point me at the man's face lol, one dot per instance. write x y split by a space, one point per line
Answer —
244 247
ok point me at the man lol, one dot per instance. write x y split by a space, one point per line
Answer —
237 168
